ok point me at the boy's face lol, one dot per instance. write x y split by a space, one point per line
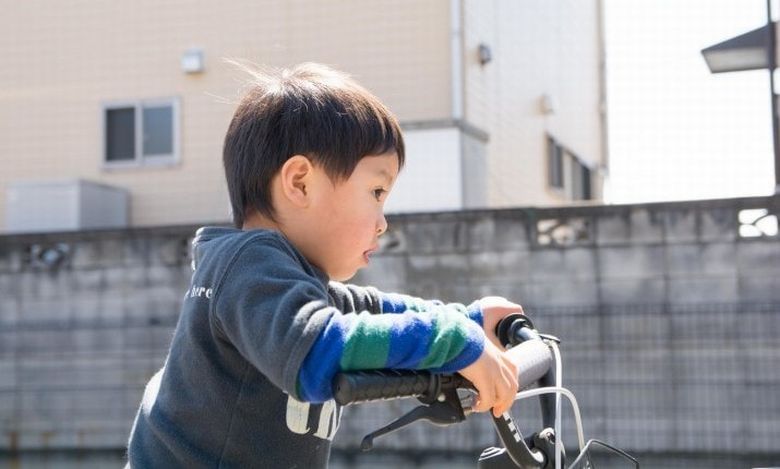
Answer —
348 216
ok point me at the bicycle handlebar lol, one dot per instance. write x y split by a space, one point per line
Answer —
365 386
533 359
538 361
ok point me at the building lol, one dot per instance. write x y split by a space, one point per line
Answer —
502 102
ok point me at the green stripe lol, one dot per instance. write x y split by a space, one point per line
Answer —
449 339
368 343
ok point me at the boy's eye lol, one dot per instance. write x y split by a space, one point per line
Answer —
378 193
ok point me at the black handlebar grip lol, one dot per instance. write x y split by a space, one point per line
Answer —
533 359
361 386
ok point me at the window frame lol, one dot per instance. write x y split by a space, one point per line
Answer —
139 159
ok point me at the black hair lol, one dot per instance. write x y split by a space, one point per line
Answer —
309 110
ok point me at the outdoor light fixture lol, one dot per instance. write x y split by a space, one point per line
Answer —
744 52
753 50
485 54
192 61
548 104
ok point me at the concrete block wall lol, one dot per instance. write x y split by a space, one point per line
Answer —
669 315
84 321
670 320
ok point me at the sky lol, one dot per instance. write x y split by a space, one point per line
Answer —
676 131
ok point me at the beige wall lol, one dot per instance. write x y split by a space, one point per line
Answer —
539 47
62 60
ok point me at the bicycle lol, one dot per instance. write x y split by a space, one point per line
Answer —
538 360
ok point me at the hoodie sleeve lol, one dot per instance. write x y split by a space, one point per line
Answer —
278 317
418 335
271 309
351 298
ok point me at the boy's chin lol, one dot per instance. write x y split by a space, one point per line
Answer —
343 276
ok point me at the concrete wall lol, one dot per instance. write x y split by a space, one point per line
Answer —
670 320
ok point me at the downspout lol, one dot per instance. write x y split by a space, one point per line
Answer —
603 102
456 58
456 81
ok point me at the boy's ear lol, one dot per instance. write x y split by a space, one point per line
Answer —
295 177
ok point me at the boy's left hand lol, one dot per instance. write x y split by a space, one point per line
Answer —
495 308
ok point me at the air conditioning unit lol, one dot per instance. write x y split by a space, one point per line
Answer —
64 205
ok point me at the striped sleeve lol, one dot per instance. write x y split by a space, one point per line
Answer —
437 337
398 303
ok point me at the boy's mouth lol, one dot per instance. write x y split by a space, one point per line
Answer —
367 254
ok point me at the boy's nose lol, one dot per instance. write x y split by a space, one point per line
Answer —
382 227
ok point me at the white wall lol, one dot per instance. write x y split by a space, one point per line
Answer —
539 47
431 179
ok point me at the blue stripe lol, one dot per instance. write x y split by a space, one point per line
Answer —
411 337
474 312
322 362
410 340
398 303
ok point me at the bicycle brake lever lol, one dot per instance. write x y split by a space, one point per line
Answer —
443 413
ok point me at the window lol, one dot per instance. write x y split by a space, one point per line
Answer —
141 133
580 179
554 163
587 193
567 172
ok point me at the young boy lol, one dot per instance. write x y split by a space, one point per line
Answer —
310 158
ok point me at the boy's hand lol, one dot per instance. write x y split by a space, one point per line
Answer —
495 378
495 308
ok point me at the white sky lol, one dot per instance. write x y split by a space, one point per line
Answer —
676 131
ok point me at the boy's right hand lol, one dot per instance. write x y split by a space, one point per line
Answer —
495 377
